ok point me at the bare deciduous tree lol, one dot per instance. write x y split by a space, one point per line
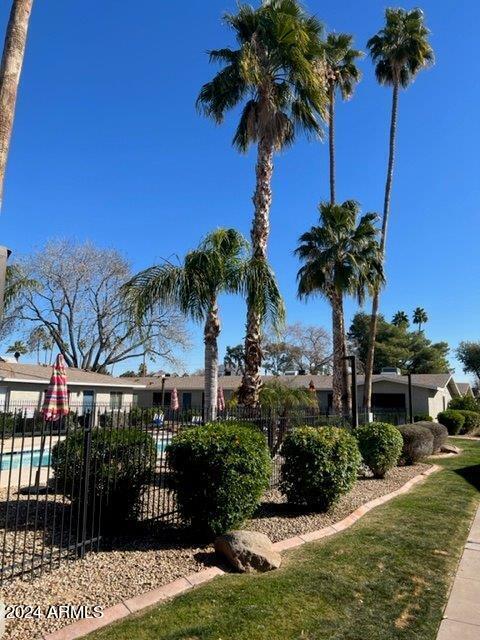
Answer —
76 299
298 347
314 346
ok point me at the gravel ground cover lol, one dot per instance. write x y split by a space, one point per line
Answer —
132 567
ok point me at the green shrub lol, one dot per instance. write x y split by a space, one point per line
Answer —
439 432
422 417
219 473
320 465
122 461
380 444
417 443
472 421
452 419
464 403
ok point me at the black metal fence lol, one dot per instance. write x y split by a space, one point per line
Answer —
57 479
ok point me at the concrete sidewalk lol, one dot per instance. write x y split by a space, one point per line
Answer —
461 620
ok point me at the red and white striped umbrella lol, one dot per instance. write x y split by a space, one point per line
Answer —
174 400
55 404
220 399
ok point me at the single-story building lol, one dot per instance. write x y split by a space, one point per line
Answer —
24 385
431 393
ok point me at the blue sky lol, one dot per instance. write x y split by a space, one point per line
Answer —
108 147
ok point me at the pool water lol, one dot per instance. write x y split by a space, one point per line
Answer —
16 459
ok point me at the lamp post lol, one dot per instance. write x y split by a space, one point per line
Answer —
353 370
164 377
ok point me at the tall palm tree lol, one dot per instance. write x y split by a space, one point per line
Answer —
220 264
340 257
419 317
400 319
400 50
10 70
36 340
18 348
342 74
273 75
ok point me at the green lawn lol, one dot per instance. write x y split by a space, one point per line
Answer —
385 578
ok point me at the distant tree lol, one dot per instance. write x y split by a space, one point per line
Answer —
400 319
397 347
130 373
18 348
469 355
313 347
340 257
234 360
142 370
400 50
279 357
298 347
420 317
10 71
272 75
74 294
36 341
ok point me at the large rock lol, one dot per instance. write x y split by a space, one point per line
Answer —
449 448
248 551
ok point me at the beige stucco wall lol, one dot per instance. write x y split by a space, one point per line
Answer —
32 394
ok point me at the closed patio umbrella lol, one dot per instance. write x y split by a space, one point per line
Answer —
174 400
55 404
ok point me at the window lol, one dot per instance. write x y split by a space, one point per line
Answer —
116 400
388 400
186 400
88 399
157 398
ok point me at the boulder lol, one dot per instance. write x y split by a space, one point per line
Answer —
449 448
247 551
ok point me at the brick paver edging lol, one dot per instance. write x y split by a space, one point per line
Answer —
125 608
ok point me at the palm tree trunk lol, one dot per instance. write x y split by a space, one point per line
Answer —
346 392
211 333
346 395
367 392
338 350
262 200
10 70
331 141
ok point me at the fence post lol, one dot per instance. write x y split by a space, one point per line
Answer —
87 445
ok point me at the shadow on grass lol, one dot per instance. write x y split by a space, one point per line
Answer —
471 475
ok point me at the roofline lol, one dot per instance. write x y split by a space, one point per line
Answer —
71 384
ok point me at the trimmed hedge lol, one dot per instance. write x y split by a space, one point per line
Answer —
380 444
122 462
472 421
439 432
417 443
422 417
219 473
453 420
464 403
320 465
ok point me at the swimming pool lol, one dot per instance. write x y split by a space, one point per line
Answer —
16 459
